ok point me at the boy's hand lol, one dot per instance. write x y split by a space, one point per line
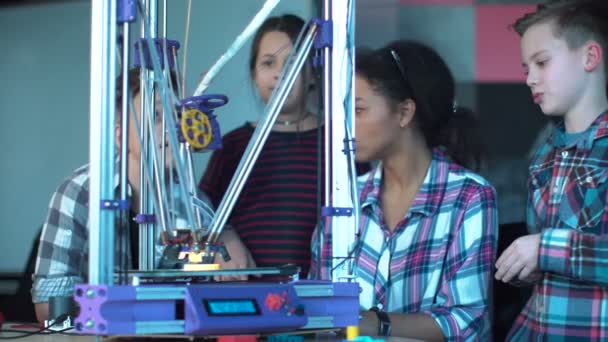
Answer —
519 260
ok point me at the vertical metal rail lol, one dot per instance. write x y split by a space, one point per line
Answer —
101 144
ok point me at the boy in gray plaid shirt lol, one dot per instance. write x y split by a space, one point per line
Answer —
62 259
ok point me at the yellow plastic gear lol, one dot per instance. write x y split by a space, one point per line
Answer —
195 124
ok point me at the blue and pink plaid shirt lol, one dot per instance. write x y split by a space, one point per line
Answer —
567 198
438 260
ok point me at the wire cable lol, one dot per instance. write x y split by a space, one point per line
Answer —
186 39
42 331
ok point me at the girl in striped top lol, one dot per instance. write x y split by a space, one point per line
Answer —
276 212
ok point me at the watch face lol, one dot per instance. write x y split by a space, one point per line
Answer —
384 322
385 328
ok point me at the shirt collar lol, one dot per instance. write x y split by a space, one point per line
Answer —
429 196
597 129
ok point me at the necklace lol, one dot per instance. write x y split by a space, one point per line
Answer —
292 122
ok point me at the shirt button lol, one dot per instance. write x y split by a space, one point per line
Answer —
564 154
589 179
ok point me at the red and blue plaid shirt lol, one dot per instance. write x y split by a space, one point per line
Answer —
438 259
567 200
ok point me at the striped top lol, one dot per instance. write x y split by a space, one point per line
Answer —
567 199
438 260
276 212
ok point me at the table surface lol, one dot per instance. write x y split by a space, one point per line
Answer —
24 329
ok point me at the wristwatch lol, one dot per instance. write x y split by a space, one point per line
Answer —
384 322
